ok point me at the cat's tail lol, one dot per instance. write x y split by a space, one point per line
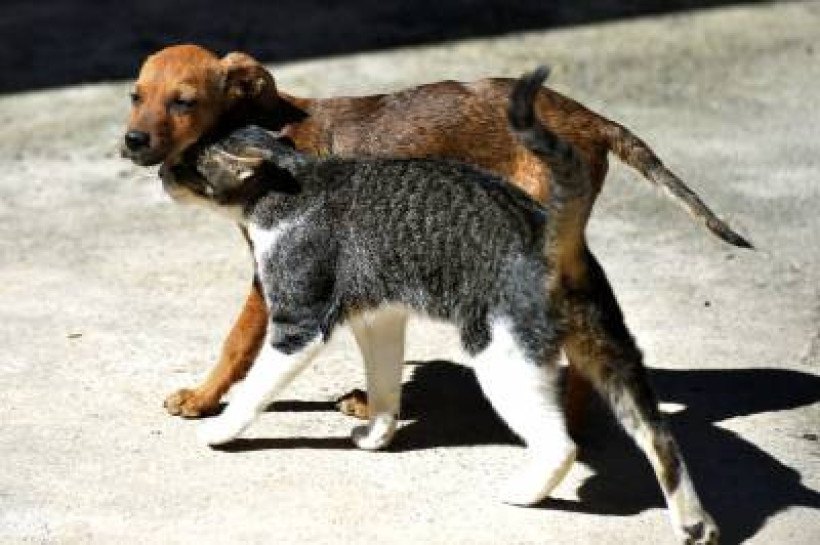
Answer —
571 188
570 176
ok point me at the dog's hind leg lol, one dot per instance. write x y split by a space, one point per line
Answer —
380 336
276 366
602 348
525 394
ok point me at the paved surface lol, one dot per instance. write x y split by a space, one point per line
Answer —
110 297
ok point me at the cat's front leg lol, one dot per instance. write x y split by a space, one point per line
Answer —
380 336
275 367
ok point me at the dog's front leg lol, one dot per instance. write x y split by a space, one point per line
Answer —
276 366
239 351
380 336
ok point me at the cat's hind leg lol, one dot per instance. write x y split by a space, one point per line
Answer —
524 392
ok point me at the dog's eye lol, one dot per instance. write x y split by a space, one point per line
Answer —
135 98
181 105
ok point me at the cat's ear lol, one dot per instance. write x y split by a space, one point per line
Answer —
279 178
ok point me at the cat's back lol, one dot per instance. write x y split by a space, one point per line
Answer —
429 197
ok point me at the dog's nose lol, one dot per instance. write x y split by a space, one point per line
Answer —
137 140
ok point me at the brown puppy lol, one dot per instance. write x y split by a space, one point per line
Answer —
185 92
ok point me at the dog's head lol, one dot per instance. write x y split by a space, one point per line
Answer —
234 170
183 92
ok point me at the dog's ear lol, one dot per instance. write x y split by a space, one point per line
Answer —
246 80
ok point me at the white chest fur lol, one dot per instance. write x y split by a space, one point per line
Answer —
264 240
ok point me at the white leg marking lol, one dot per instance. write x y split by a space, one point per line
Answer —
523 392
380 336
692 524
271 372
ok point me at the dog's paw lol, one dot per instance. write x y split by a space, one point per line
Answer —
219 430
537 479
353 403
190 404
699 529
376 435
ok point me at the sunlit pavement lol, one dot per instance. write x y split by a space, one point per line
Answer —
111 297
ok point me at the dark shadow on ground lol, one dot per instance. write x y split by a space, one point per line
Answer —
286 443
49 43
740 484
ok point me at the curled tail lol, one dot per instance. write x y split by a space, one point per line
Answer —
570 174
634 152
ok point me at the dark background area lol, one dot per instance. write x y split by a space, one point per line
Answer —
48 43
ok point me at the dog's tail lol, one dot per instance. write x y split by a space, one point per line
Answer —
570 175
636 153
629 148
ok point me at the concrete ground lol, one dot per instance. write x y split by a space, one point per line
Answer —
111 297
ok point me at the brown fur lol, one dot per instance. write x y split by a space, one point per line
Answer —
464 121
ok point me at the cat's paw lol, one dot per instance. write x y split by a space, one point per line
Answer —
537 479
219 430
699 529
376 435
